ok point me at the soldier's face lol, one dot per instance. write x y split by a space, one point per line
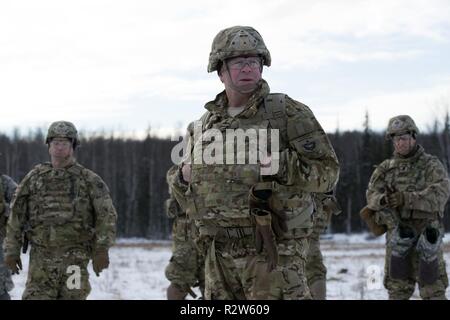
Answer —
60 149
404 144
244 73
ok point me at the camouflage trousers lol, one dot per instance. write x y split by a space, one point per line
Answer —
316 272
6 283
57 274
186 266
234 271
315 268
404 289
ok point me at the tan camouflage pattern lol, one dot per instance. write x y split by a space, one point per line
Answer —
186 268
424 182
60 210
218 197
49 273
177 188
400 125
404 289
62 129
326 206
315 267
233 271
7 189
217 190
237 41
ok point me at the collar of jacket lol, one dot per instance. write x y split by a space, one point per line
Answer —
412 156
219 105
71 164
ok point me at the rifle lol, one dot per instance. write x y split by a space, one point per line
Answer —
25 243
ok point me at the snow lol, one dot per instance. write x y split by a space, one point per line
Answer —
355 269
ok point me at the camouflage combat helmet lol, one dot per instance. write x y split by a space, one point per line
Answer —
237 41
63 129
400 125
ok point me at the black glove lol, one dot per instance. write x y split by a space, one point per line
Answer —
13 263
395 200
100 261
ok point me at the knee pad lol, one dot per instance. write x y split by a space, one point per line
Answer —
402 243
428 247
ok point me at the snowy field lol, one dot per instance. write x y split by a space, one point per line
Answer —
355 269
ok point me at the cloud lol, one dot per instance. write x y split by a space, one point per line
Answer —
104 59
425 106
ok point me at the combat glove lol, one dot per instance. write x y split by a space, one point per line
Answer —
13 263
395 200
368 215
100 261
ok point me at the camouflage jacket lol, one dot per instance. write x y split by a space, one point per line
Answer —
218 193
61 208
421 178
326 205
7 189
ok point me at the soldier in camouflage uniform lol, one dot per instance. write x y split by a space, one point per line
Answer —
186 267
7 189
254 225
407 195
316 271
66 213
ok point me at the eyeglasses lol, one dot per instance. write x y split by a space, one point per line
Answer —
239 64
61 143
403 137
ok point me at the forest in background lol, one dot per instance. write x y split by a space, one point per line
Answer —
135 170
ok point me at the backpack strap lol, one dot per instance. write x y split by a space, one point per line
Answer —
275 112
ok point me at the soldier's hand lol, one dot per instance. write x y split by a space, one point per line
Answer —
100 261
264 238
13 263
395 200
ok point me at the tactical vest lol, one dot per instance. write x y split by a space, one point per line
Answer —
220 191
408 175
59 207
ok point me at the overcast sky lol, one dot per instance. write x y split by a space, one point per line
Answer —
127 65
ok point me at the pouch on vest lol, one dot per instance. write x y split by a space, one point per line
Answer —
368 216
299 207
428 246
402 242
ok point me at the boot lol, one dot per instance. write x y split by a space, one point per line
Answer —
175 293
318 290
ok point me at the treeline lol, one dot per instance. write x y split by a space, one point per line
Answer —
359 152
135 170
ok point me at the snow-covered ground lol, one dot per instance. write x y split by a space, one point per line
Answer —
355 269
